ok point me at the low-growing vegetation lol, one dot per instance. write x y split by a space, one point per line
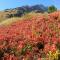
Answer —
34 38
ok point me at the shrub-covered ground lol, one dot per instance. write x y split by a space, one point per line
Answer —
34 38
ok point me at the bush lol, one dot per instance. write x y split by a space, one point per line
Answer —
51 9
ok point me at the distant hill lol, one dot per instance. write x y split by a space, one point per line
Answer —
19 11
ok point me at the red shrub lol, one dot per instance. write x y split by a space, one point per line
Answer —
26 34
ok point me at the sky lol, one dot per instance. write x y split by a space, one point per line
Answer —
7 4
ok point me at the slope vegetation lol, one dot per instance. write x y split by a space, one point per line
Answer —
35 37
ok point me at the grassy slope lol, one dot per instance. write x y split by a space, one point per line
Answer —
9 21
4 14
25 17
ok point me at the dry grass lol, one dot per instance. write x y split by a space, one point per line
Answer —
25 17
4 14
9 21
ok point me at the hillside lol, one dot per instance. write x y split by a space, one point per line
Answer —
19 11
34 38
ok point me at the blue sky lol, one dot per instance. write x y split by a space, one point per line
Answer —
6 4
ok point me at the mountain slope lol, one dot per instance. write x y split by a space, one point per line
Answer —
19 11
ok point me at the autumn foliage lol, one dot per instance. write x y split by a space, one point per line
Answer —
31 39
